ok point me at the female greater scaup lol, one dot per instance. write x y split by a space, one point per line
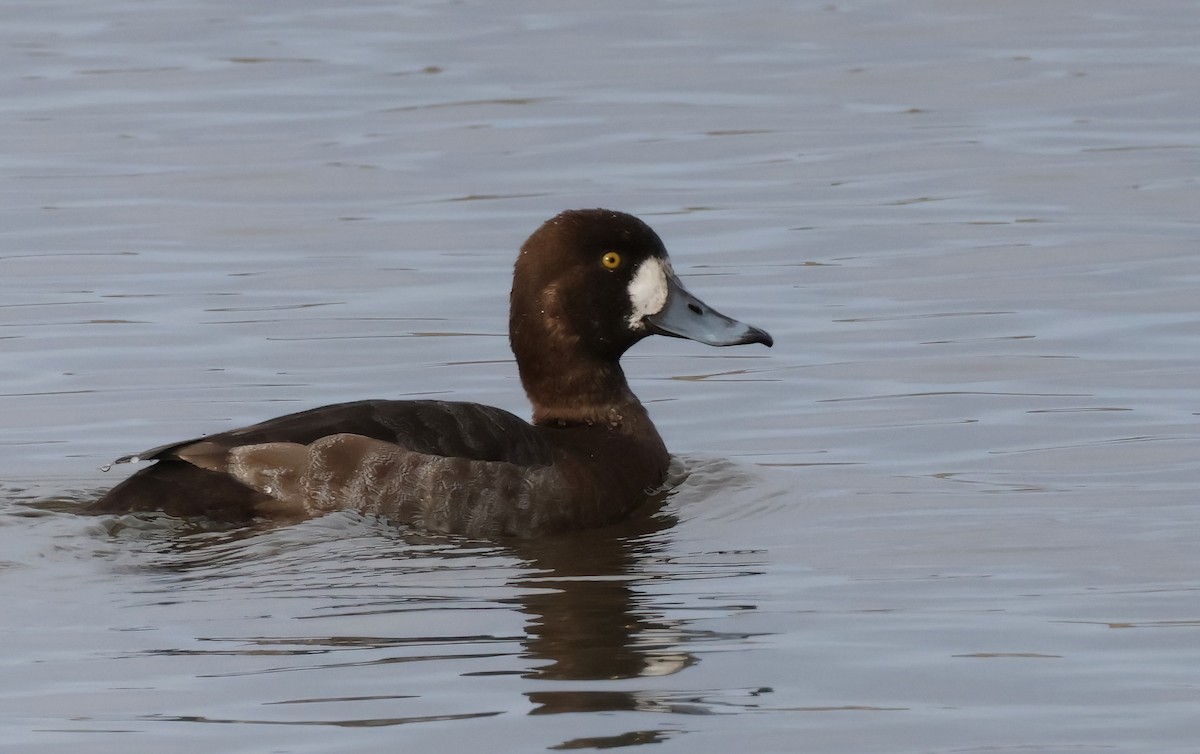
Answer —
588 284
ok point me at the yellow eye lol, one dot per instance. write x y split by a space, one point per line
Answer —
611 260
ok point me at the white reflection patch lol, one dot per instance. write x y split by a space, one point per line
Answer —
647 291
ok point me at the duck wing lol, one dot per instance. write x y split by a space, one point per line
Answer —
440 428
193 477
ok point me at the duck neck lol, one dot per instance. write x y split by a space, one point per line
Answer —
580 390
567 383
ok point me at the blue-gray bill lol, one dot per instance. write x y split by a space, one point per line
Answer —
685 316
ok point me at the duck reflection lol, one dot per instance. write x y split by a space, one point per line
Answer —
588 617
586 620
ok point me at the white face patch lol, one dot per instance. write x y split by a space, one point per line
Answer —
647 291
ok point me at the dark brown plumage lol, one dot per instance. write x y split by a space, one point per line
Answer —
587 285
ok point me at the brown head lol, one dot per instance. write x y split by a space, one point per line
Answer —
588 284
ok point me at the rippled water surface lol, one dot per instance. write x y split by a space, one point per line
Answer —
953 510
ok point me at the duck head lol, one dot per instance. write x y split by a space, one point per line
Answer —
589 284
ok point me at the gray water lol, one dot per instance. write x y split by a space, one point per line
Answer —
953 510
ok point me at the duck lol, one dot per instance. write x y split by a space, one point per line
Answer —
587 285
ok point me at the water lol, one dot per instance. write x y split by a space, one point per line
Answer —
954 510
